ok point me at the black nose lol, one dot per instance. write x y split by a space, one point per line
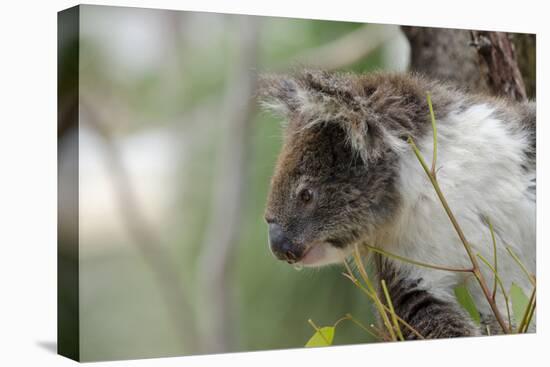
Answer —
281 246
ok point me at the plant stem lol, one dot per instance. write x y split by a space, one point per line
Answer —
371 288
414 262
476 270
392 310
524 325
347 317
434 128
499 281
521 265
360 324
491 229
356 282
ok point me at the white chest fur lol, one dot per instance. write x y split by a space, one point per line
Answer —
479 169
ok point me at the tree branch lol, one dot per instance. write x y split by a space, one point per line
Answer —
215 264
144 237
348 49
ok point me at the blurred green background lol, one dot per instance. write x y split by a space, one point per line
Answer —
175 161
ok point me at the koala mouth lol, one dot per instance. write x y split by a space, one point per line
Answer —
297 257
313 254
322 253
318 252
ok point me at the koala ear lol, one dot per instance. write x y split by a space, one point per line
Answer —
324 98
279 94
370 136
364 139
314 94
356 131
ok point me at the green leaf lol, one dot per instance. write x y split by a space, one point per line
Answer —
465 299
519 302
321 338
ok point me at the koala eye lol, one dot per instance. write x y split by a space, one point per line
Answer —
305 196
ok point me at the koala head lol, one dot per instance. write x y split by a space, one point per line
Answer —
334 183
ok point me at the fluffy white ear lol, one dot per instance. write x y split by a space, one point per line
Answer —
368 139
279 94
302 93
315 96
319 98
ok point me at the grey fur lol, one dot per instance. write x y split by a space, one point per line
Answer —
341 141
430 316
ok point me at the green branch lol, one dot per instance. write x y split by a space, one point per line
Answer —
414 262
499 281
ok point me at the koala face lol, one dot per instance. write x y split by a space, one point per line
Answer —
324 198
335 181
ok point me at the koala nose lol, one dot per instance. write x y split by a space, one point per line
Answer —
281 246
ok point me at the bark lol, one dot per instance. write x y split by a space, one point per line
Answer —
478 61
525 45
445 54
497 60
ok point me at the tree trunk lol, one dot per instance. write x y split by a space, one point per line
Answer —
526 45
498 64
216 261
445 54
478 61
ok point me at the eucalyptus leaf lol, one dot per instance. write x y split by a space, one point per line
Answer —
465 299
322 338
519 302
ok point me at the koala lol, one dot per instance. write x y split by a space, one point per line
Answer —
346 176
